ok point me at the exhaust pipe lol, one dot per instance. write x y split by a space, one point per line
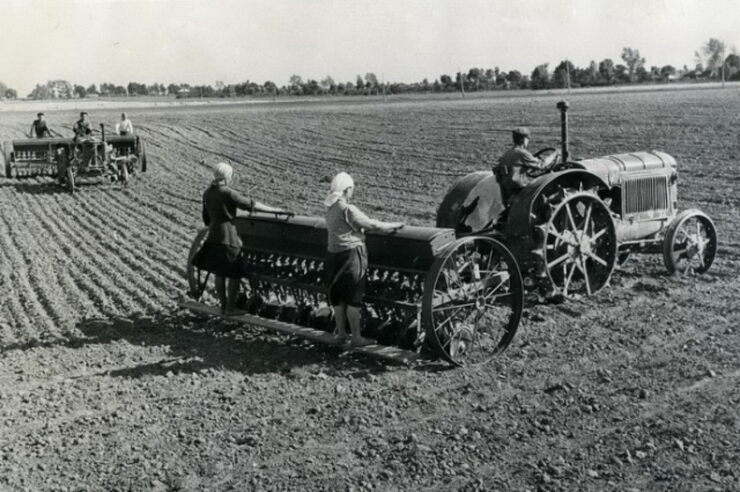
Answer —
563 107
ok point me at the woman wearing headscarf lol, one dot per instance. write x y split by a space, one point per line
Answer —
221 252
347 255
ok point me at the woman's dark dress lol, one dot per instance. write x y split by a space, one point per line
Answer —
221 254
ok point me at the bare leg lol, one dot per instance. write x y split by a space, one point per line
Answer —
233 291
221 292
354 317
340 319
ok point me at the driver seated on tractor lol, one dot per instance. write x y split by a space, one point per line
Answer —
82 127
124 127
39 127
515 168
83 132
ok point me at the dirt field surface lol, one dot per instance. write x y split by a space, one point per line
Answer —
106 386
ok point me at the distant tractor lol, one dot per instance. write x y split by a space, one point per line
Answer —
115 157
573 224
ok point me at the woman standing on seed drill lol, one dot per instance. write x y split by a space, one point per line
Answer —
347 256
221 254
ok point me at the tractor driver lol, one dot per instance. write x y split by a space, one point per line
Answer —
39 127
82 127
515 167
83 133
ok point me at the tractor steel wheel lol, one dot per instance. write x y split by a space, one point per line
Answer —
473 300
690 243
579 250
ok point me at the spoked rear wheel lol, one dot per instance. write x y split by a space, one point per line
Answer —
473 300
690 243
580 243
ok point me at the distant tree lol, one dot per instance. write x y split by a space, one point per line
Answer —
172 89
446 82
667 71
606 70
562 76
475 75
514 77
732 62
311 87
713 56
359 83
270 87
295 81
371 81
654 73
633 61
642 74
40 92
425 85
437 86
489 79
621 73
540 78
80 91
10 94
92 89
460 81
327 83
137 89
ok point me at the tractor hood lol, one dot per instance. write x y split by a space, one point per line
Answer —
614 169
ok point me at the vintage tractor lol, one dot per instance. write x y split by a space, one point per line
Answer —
574 223
426 289
110 156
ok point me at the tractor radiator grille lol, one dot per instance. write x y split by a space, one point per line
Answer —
645 194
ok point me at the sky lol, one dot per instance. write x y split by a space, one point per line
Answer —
204 41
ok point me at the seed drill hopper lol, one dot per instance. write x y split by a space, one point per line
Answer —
427 291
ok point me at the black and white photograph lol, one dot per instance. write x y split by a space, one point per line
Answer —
387 245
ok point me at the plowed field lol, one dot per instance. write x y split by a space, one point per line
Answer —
106 385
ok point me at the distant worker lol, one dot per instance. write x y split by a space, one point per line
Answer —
347 256
221 254
124 127
82 127
39 127
515 168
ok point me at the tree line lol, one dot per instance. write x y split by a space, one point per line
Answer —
710 64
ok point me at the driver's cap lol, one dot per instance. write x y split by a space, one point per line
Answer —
522 131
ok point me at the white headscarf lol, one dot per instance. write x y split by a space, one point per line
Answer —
339 184
222 172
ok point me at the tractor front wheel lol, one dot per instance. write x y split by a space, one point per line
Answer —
690 243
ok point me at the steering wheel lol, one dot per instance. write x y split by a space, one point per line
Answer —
544 154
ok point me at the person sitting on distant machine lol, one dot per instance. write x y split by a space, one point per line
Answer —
39 127
82 128
124 127
515 168
83 136
346 265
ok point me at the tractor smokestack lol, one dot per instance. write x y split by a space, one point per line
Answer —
563 107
